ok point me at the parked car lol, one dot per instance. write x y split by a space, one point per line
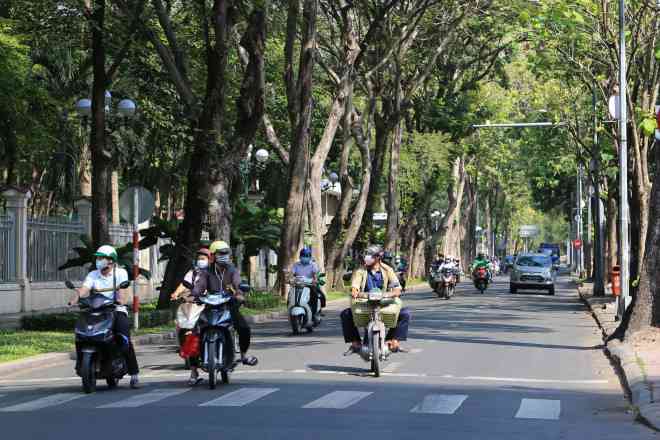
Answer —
534 272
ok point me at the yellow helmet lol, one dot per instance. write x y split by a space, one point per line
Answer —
219 246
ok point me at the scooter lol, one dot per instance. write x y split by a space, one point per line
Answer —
480 277
99 356
217 337
377 322
300 313
447 283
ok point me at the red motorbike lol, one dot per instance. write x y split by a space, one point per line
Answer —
481 279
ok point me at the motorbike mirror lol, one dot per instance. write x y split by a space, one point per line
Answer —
124 285
187 284
244 287
69 284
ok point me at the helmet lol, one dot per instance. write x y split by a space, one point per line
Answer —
305 252
107 251
219 247
205 252
374 250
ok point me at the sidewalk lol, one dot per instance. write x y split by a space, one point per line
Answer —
638 359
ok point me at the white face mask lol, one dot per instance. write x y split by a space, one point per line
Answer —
202 264
369 260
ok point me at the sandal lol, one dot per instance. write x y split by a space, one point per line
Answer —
352 350
250 360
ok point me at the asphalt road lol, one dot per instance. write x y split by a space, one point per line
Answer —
492 366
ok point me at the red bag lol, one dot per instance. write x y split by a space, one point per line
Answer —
190 346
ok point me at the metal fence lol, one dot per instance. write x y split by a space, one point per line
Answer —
7 257
50 243
120 234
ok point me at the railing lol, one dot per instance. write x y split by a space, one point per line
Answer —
120 234
7 257
50 243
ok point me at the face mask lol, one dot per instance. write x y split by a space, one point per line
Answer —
305 260
202 264
369 260
101 264
222 259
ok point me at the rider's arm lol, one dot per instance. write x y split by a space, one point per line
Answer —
356 283
236 282
79 293
122 297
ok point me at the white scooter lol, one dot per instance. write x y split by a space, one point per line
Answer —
300 313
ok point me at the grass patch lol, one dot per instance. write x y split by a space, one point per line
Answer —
335 295
410 282
22 343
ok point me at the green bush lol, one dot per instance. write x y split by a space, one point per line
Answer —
66 321
262 301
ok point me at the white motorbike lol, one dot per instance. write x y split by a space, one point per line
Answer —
300 313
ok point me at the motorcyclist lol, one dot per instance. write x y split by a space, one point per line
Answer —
189 309
375 275
439 260
480 262
401 267
222 276
308 269
105 280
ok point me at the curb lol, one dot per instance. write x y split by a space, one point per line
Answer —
632 377
39 360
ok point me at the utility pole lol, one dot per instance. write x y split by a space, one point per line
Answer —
623 166
597 207
578 221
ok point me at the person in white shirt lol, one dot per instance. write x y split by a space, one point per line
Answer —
105 280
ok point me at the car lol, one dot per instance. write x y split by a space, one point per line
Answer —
534 272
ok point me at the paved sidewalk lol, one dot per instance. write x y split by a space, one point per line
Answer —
638 359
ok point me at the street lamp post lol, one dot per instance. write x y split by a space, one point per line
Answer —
623 165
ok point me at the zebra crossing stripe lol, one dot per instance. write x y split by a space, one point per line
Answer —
542 409
440 404
146 398
241 397
338 399
44 402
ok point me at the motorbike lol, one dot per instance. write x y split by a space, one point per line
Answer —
401 275
218 352
447 284
371 312
99 355
480 277
300 313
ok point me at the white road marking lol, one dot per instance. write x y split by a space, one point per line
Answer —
338 399
543 409
392 366
440 404
146 398
415 350
44 402
8 382
241 397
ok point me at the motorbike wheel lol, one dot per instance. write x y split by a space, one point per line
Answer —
211 352
440 292
375 360
296 323
88 373
112 382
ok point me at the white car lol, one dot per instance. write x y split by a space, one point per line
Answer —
534 272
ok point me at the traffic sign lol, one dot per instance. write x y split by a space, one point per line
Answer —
145 204
577 244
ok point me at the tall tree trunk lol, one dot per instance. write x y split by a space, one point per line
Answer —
392 232
646 304
100 156
292 228
114 185
449 232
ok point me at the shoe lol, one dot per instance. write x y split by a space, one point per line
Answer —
352 350
135 383
194 380
249 360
